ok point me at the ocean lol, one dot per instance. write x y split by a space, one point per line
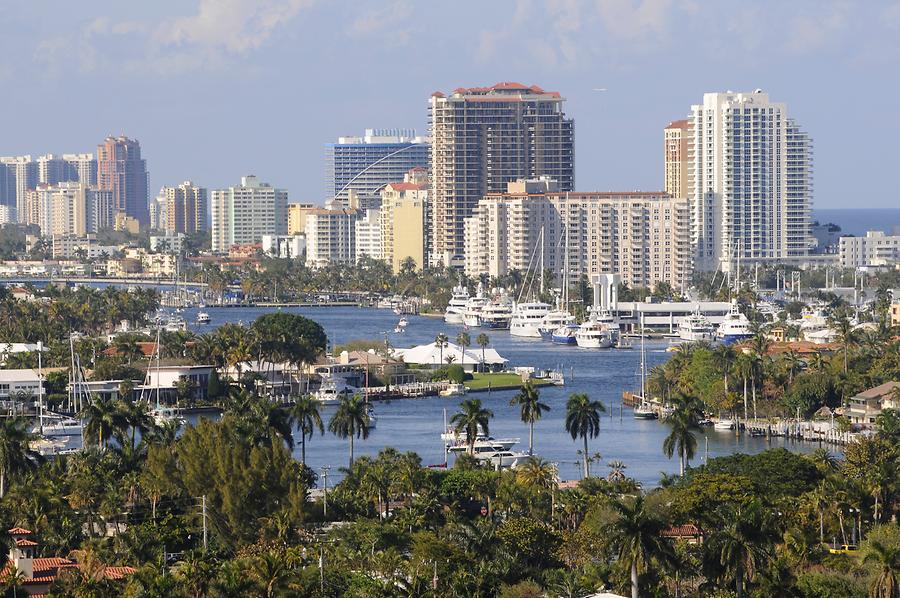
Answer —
856 222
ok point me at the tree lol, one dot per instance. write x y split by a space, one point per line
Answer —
583 419
887 559
483 341
841 322
103 418
684 421
473 419
637 538
463 340
308 419
530 408
350 420
440 342
16 454
742 545
136 416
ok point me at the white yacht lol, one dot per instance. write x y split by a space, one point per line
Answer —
696 328
644 411
735 327
496 315
612 324
162 415
457 305
501 459
527 318
472 313
724 425
552 321
594 334
482 444
53 424
565 335
454 389
332 390
203 318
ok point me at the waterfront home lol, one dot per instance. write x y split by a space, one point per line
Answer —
167 377
867 405
38 573
687 533
16 383
434 357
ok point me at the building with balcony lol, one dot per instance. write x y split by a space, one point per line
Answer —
676 157
297 217
330 235
286 247
875 249
68 208
122 170
866 406
241 215
185 207
749 181
483 138
404 221
642 236
367 236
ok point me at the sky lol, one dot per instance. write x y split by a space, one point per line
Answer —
216 89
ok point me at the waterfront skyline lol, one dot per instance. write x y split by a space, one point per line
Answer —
636 51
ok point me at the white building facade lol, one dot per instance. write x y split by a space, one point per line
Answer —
286 247
749 180
875 249
330 236
242 215
368 235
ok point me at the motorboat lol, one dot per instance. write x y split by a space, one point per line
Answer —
331 391
565 335
696 328
735 327
526 319
645 411
398 329
454 389
472 313
724 425
593 335
53 424
403 323
612 325
456 307
502 459
203 318
552 321
482 444
163 415
496 315
370 413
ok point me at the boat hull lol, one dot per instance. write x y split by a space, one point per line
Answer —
525 330
452 317
593 342
730 339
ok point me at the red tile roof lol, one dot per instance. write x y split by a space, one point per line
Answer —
20 531
24 542
502 86
407 186
688 530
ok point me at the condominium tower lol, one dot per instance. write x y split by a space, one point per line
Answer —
242 215
642 236
364 165
676 158
404 221
68 208
121 169
483 138
749 180
185 208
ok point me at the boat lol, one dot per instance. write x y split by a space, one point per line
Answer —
723 425
735 327
645 411
330 391
203 318
370 413
502 459
472 313
612 325
454 389
53 424
482 444
162 414
496 315
403 323
398 329
565 335
696 328
593 335
527 318
552 321
456 307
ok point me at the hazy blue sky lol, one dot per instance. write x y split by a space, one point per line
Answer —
219 88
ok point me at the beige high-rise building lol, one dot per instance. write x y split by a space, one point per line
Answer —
186 208
404 220
70 209
676 158
241 215
483 138
297 217
642 236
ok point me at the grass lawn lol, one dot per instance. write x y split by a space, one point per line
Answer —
499 380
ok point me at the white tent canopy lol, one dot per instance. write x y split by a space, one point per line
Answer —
431 355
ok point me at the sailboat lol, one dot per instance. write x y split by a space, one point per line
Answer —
528 315
565 333
644 410
52 424
160 413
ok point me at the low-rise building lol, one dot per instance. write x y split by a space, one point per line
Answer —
19 382
287 247
85 247
875 249
895 313
168 243
867 405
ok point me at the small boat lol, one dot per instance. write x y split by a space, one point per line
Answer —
373 420
645 411
53 424
454 389
403 323
203 318
398 330
501 459
565 335
724 425
163 415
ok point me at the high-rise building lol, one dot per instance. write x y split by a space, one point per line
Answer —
676 157
242 215
368 163
642 236
186 208
22 175
749 180
483 138
68 208
367 235
53 169
404 220
121 169
297 218
331 235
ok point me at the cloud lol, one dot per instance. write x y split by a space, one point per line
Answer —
813 31
393 17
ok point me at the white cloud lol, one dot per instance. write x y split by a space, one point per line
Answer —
811 32
391 17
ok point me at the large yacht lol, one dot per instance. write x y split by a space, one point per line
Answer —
496 314
527 318
552 321
472 313
735 327
696 328
594 334
457 305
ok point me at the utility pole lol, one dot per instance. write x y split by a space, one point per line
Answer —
321 569
325 488
203 503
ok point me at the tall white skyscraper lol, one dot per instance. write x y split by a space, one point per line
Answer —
749 181
242 215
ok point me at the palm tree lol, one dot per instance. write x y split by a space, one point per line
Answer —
537 473
841 323
583 419
742 545
308 419
723 357
530 408
136 416
16 454
637 537
483 341
887 559
471 419
684 421
102 419
441 341
350 420
463 340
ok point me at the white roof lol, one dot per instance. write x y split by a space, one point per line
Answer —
6 348
431 355
21 375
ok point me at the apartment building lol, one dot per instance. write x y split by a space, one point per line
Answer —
121 169
297 217
483 138
749 180
364 164
241 215
642 236
186 208
286 247
875 249
404 220
53 169
676 157
21 174
330 235
68 208
367 236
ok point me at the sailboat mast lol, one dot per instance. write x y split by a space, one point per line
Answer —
158 327
541 292
40 349
643 362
